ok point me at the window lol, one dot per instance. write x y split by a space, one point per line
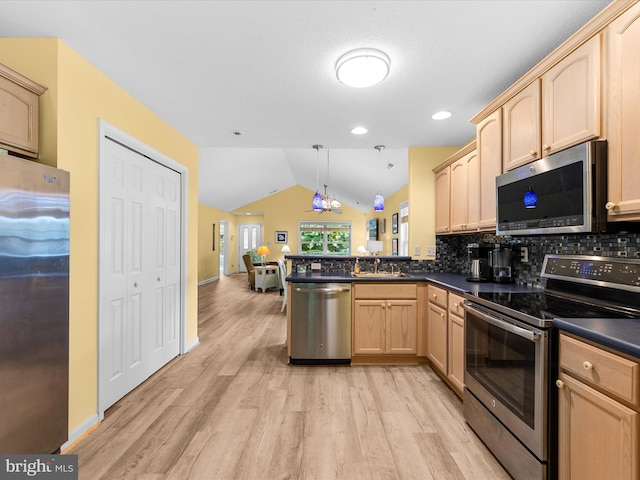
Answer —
325 238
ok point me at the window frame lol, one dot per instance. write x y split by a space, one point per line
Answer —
325 227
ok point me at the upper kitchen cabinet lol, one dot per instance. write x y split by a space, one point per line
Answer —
571 99
489 145
522 138
443 189
623 39
19 97
465 193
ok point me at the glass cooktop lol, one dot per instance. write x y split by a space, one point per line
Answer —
548 306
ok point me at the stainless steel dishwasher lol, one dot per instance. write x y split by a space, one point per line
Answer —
321 323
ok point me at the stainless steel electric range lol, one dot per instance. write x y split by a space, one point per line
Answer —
511 354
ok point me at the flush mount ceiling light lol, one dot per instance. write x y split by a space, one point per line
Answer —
443 115
363 67
359 131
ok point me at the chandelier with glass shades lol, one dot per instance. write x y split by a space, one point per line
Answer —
323 202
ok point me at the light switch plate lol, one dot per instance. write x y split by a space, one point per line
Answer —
416 250
431 251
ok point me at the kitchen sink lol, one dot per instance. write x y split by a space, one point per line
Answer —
379 274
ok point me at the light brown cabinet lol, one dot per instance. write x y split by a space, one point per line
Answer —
623 37
571 99
385 319
443 199
19 97
445 335
598 419
465 193
455 343
489 145
521 132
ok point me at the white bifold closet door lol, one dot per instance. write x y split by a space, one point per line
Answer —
140 276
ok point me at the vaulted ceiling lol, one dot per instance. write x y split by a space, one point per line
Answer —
265 69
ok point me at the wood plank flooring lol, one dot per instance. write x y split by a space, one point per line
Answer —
234 409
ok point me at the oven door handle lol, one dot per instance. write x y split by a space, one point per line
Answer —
509 327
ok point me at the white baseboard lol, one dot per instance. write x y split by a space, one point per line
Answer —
77 433
195 342
208 280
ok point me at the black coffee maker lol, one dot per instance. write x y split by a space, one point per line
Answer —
479 269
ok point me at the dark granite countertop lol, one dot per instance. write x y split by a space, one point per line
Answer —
622 334
452 281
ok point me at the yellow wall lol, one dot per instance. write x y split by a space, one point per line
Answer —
208 259
78 96
422 190
283 210
391 206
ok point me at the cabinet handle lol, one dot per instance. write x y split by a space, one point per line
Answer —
559 383
442 315
435 295
388 305
587 365
382 305
533 153
610 206
546 148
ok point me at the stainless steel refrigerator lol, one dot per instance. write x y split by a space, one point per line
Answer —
34 307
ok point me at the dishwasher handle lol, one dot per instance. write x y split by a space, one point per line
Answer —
509 327
330 290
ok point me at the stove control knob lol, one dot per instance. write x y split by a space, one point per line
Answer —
587 365
559 384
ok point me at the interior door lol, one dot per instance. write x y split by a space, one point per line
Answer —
249 238
140 291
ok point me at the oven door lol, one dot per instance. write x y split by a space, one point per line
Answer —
505 369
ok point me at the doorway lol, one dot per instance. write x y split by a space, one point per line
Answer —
249 238
223 269
142 280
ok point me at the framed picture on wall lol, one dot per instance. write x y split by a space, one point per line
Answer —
394 246
383 225
373 229
281 237
394 223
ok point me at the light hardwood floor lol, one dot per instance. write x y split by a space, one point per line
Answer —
234 409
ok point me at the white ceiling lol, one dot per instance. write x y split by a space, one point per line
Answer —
266 69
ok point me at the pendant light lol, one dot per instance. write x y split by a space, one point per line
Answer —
378 201
316 202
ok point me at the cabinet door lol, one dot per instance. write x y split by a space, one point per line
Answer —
437 337
18 118
402 326
597 436
624 117
443 190
521 137
423 315
369 327
459 195
456 352
489 142
571 99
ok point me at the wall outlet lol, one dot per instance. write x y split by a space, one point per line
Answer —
316 266
416 250
431 251
524 254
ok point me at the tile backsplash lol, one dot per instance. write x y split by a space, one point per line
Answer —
452 256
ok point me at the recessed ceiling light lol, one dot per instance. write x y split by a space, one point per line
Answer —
441 115
363 67
237 133
359 130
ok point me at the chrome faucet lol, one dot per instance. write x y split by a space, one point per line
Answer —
376 262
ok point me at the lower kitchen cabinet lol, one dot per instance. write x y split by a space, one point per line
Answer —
598 413
385 319
445 335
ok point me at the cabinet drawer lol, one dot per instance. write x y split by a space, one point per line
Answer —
438 296
455 305
613 373
385 291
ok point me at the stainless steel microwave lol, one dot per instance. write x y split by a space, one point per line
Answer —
562 193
